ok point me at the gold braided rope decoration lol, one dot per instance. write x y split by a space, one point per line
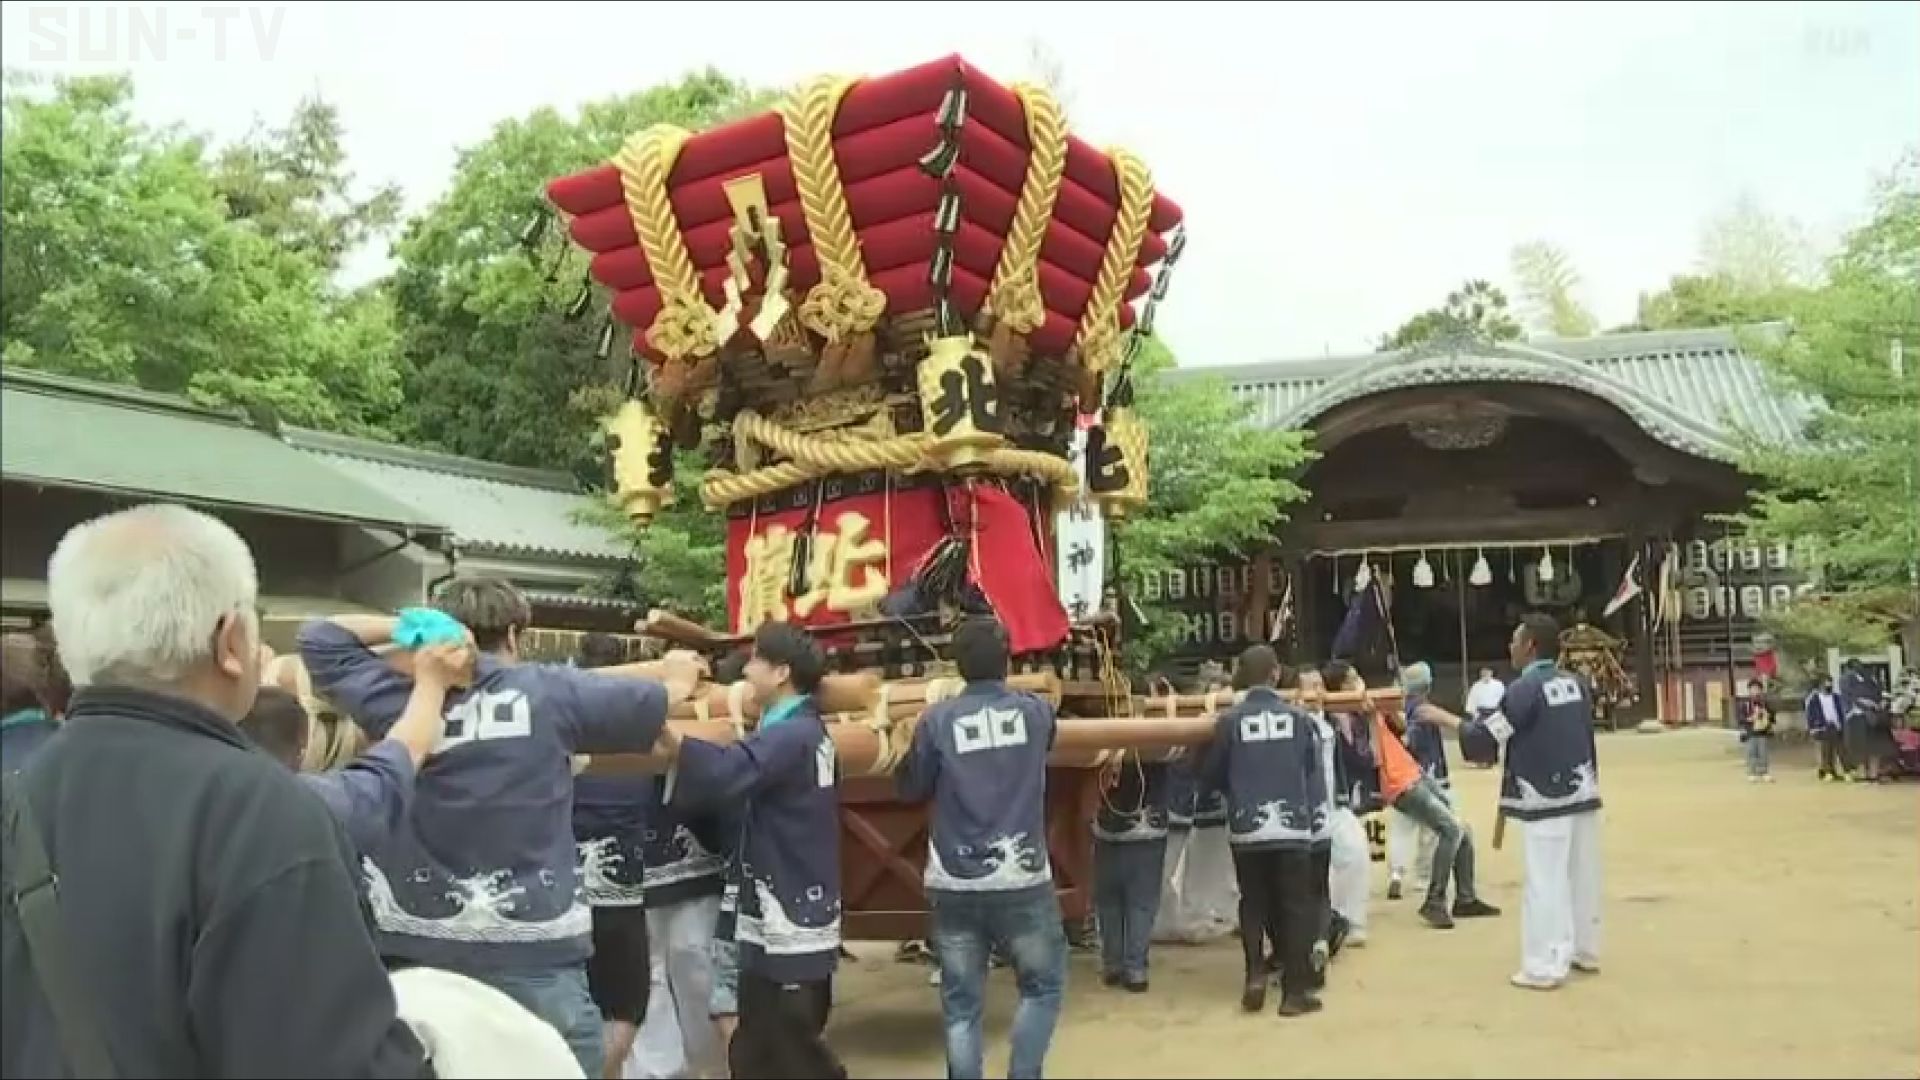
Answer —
817 455
684 327
844 303
1099 336
1015 294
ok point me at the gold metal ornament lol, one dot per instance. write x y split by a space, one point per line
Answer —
959 404
1117 463
754 227
642 451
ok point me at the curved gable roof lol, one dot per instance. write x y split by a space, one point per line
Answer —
1693 390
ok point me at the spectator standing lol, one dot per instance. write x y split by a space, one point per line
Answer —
205 922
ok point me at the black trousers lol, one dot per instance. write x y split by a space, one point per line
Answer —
782 1031
1276 890
620 973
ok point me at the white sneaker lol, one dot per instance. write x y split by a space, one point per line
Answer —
1767 778
1753 779
1534 982
1356 939
1587 967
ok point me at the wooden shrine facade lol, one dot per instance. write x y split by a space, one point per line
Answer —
1455 472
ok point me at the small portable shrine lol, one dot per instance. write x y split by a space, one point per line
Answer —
898 315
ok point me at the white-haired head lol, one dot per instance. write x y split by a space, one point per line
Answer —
159 596
1416 678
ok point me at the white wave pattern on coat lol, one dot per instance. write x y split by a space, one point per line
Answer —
485 903
1012 862
600 864
1268 823
1586 789
778 935
691 860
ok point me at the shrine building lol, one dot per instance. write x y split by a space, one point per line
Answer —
1476 481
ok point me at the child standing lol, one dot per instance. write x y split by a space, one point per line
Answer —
1756 731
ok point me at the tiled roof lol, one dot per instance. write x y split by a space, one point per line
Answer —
75 433
489 508
1695 390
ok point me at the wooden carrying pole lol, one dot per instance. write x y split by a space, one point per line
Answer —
874 747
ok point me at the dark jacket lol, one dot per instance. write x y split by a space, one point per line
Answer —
982 758
686 852
209 907
484 872
370 795
787 773
22 734
1826 713
1136 809
1552 770
1427 742
610 827
1266 755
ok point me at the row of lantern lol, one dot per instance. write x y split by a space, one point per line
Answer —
1481 574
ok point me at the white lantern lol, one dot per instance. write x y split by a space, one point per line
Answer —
1545 573
1482 573
1423 573
1364 577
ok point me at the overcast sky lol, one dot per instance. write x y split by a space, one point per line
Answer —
1342 166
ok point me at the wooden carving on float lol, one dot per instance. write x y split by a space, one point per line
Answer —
885 307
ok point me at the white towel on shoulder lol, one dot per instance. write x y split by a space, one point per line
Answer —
474 1032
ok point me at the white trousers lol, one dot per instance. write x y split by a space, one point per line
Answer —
1209 894
1560 896
679 1038
1350 869
1170 922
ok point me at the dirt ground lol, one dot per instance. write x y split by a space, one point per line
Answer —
1751 930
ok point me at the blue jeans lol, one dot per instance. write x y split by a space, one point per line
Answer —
1024 922
559 996
1430 807
1126 897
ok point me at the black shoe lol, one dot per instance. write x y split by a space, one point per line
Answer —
1300 1005
1136 986
1337 936
1436 915
1110 979
1474 909
1393 889
1253 996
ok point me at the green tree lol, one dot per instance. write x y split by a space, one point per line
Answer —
495 367
1476 310
1694 301
1219 483
1849 486
1548 284
118 262
680 559
1755 251
1753 267
293 186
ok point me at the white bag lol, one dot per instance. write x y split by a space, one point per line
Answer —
474 1032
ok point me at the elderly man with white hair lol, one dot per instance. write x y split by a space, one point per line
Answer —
175 904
